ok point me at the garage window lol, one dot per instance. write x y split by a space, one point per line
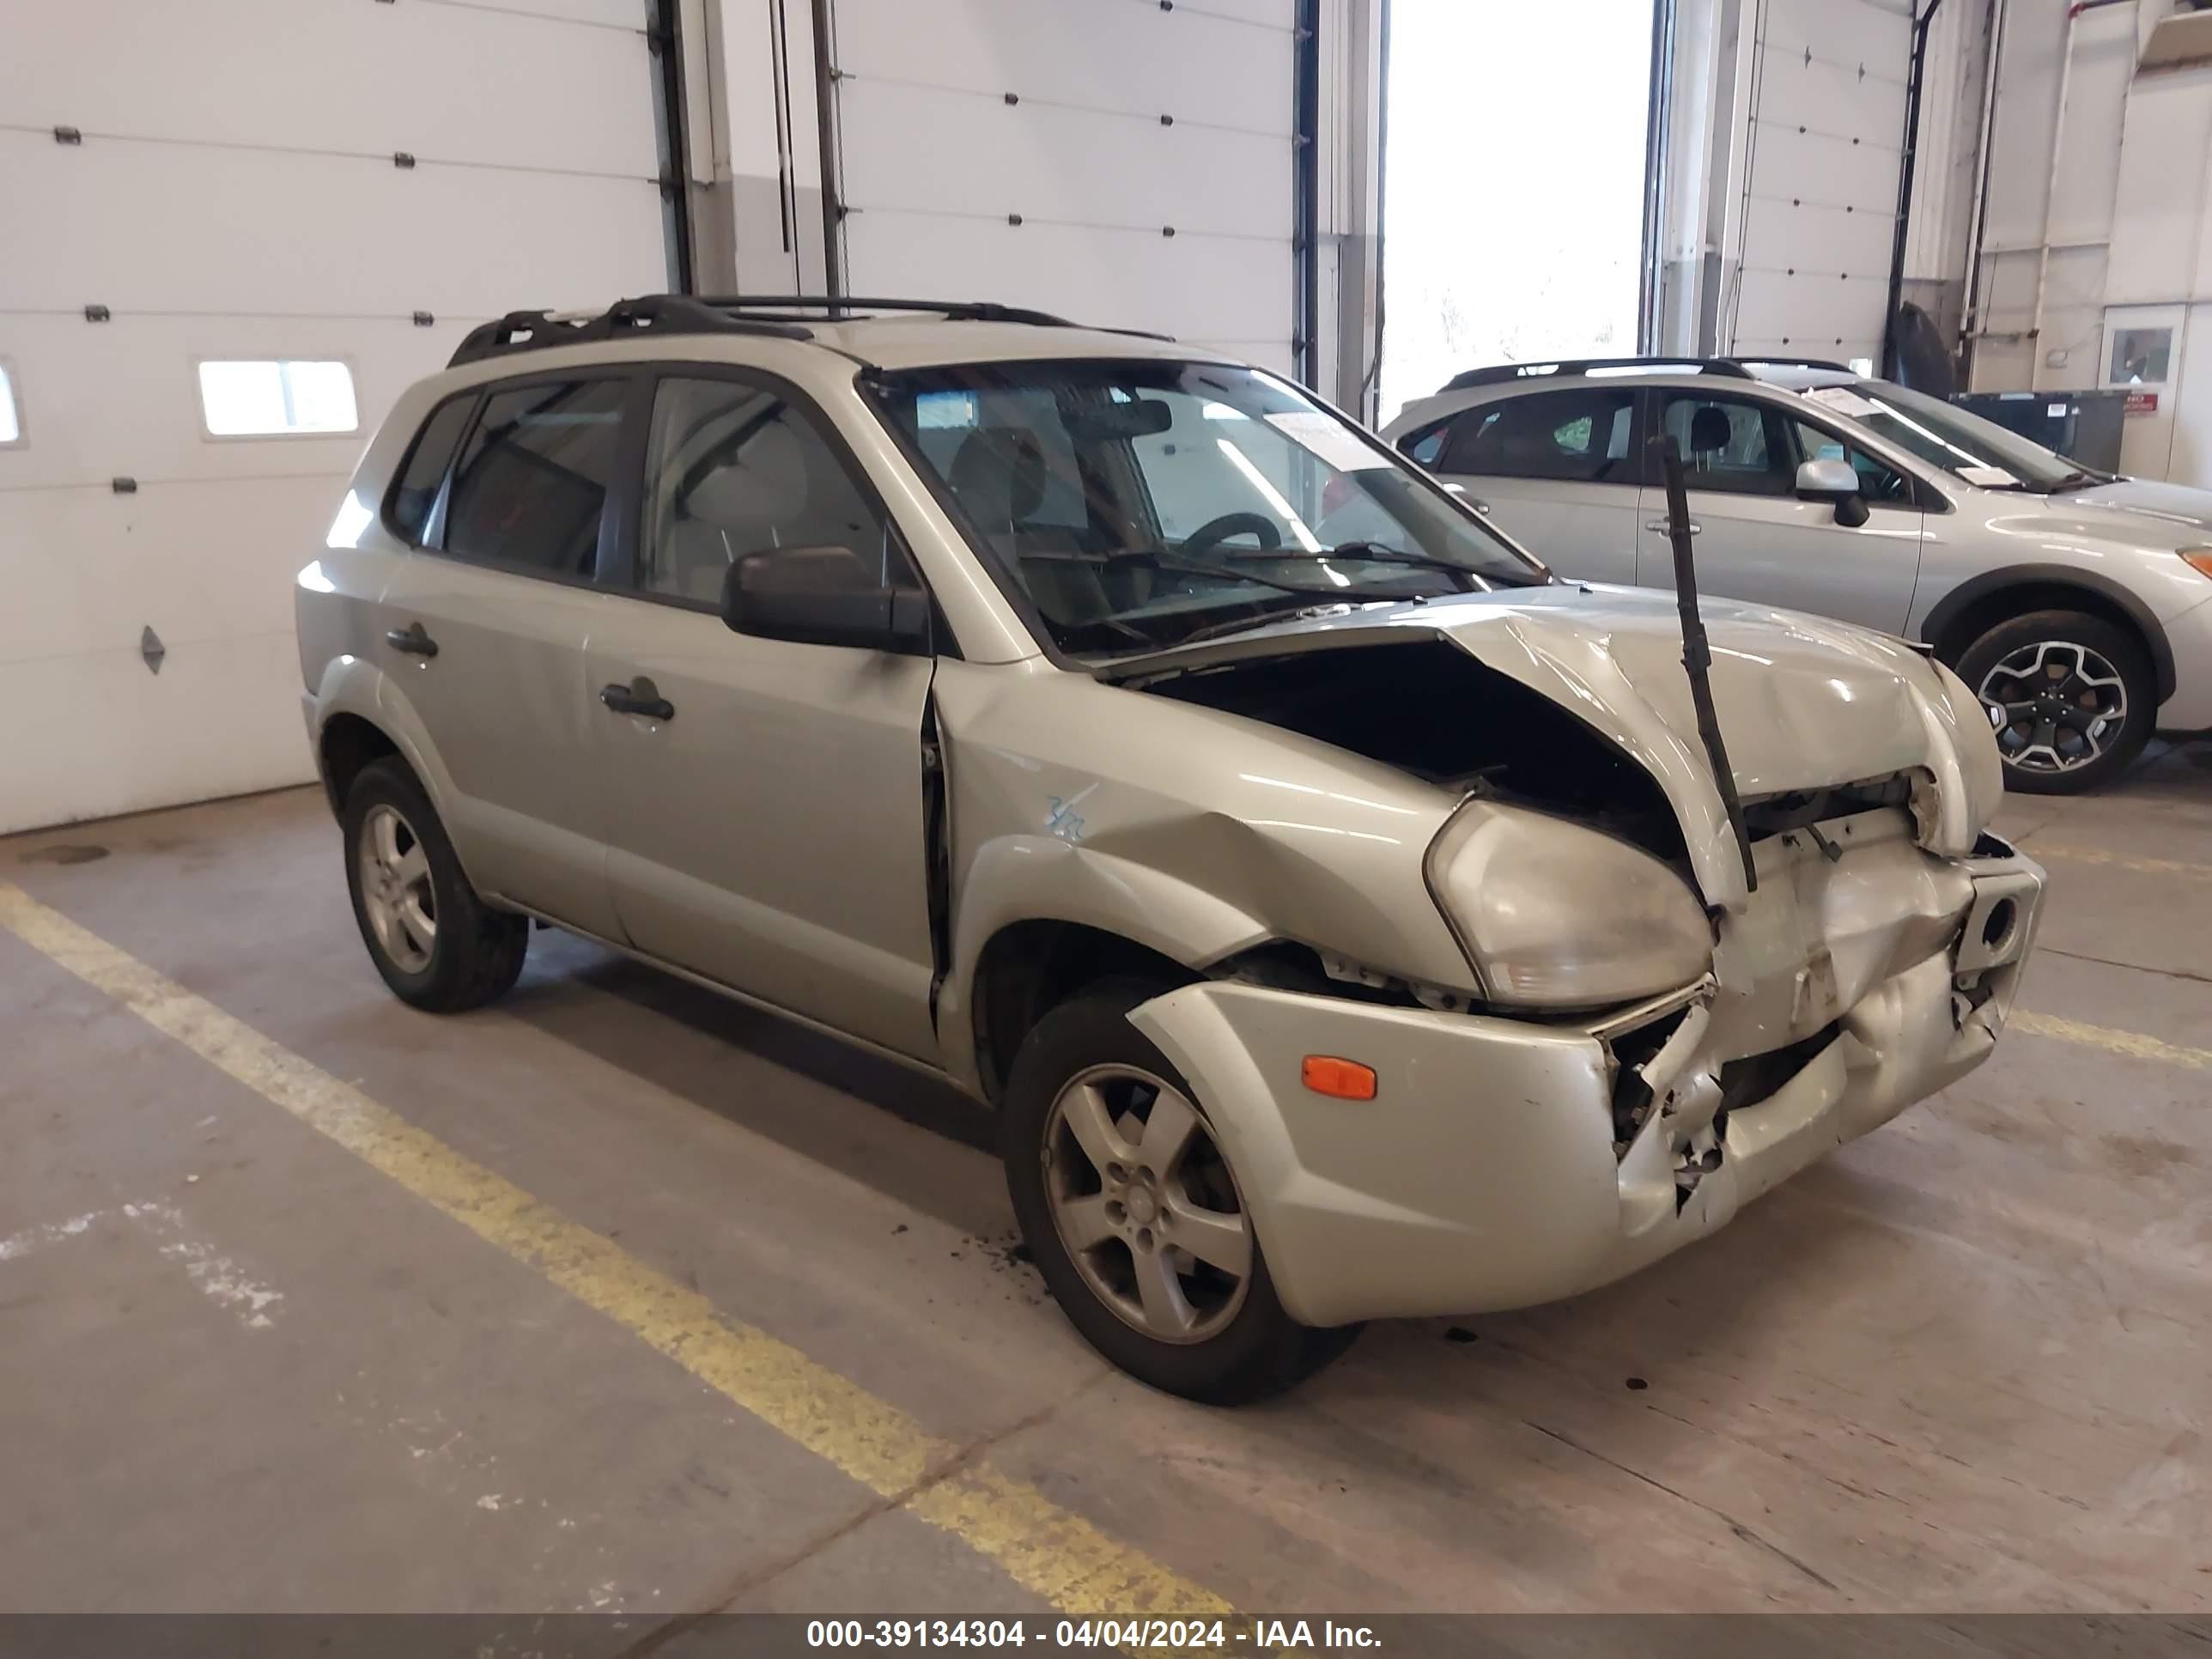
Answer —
11 425
273 397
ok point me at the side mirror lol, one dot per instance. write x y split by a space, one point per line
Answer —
1833 481
823 596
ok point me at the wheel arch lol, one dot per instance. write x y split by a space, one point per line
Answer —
1978 605
1027 968
347 745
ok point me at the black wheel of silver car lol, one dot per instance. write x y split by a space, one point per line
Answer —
1134 1215
2071 698
438 946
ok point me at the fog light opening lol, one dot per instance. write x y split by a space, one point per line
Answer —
2003 917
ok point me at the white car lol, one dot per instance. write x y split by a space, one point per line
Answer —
2077 605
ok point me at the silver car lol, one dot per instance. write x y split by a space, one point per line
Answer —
1344 918
2077 605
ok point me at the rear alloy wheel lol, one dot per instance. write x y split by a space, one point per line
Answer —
1128 1203
2070 698
437 944
396 895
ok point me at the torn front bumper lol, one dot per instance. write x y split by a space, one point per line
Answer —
1505 1162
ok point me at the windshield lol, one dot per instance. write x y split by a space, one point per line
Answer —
1972 450
1142 504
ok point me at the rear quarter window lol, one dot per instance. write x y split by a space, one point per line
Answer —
1577 435
415 492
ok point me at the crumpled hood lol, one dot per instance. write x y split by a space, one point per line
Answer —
1804 703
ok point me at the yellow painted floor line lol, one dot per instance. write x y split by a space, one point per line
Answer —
1048 1551
2134 1044
2147 866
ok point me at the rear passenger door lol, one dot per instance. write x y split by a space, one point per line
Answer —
1755 540
764 799
1556 470
483 628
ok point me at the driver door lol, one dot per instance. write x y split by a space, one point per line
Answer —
764 798
1755 539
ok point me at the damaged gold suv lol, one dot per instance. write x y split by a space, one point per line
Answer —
1345 917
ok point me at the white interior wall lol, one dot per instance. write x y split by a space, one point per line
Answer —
2053 181
1114 160
2101 217
1117 161
1786 147
234 195
1819 187
1947 176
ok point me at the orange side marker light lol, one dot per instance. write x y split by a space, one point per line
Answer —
1339 1080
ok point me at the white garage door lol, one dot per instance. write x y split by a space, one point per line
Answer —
1119 161
1819 207
224 188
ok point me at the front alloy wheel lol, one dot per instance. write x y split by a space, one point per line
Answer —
1145 1205
1127 1199
2056 705
2070 697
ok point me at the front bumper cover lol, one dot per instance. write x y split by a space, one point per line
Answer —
1498 1166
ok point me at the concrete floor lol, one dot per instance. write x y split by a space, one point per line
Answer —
1961 1365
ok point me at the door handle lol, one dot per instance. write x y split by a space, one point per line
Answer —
411 638
642 697
1664 527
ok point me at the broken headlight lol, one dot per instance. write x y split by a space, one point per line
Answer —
1556 915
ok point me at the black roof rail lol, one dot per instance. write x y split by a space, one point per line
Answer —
655 313
958 310
837 308
746 313
1502 374
1796 362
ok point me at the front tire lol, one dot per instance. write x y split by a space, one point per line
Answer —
1132 1214
439 946
2072 699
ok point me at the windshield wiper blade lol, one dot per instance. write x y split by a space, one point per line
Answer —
1245 624
1376 553
1164 560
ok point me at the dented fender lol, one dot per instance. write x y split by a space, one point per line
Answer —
1195 834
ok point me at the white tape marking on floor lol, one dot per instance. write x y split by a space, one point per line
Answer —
214 1275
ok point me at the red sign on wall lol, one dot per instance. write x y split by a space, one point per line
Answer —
2142 403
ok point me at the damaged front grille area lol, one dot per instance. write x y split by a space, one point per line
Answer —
1748 1081
1775 815
1695 1144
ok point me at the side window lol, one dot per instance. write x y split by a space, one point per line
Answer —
1425 447
414 493
1878 483
1577 435
530 486
732 469
11 425
1730 444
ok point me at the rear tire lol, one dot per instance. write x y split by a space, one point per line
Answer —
1088 1133
439 946
2077 695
